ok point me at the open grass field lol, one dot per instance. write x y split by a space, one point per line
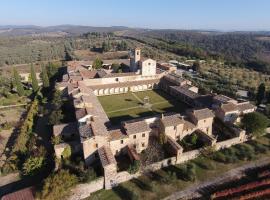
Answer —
131 105
159 184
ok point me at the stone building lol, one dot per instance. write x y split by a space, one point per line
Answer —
99 141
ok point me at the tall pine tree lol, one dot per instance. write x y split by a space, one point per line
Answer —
17 83
34 79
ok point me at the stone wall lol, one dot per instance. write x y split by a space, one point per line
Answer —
82 191
125 176
188 156
158 165
228 143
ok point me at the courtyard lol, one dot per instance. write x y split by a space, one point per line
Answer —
131 105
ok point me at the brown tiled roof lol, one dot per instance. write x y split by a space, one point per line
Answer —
133 152
85 131
24 194
188 125
174 144
176 79
80 113
136 127
116 135
203 113
124 84
172 120
185 92
106 156
87 74
101 74
245 106
229 107
119 74
65 129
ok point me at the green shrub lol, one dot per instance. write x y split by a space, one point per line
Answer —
56 140
33 165
57 185
134 167
67 152
191 172
245 152
87 175
255 123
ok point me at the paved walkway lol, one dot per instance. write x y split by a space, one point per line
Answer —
9 178
13 106
195 190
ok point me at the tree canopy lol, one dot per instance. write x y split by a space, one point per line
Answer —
17 83
97 64
34 79
261 93
255 123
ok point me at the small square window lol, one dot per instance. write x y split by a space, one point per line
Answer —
134 136
143 135
143 145
122 141
96 145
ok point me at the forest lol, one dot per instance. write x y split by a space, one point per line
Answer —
241 49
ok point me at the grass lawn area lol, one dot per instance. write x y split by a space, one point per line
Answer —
162 183
130 105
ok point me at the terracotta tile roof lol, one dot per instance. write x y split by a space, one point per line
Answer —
229 107
203 113
172 120
24 194
136 127
106 157
245 106
65 129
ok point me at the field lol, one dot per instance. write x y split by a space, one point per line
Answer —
8 120
131 105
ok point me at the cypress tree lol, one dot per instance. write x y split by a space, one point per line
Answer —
44 77
17 83
34 79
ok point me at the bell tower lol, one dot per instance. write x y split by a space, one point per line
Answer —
136 57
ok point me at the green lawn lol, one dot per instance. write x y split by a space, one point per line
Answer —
168 180
128 106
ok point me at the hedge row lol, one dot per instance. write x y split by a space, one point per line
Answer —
20 145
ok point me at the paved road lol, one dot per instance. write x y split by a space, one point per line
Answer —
195 190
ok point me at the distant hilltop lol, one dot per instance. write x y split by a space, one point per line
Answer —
73 30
